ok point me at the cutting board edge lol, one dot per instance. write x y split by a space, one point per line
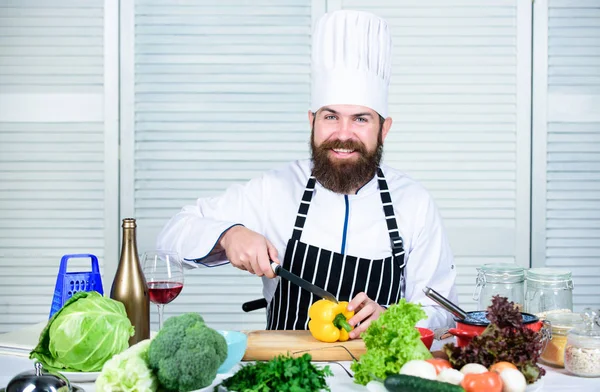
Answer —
266 345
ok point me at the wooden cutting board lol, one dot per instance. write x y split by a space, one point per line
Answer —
264 345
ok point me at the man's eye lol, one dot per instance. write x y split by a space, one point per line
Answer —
361 119
330 117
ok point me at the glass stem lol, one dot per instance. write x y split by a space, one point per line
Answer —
160 315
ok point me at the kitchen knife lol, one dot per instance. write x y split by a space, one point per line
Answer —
298 281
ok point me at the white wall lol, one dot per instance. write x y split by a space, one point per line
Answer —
58 147
178 101
566 154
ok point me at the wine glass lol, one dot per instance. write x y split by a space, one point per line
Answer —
164 275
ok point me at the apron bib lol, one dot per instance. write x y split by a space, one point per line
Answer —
342 275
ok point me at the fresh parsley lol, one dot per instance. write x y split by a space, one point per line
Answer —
282 373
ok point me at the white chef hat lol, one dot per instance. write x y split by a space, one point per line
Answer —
351 61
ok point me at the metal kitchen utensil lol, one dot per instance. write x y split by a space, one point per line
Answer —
69 283
306 285
39 380
445 303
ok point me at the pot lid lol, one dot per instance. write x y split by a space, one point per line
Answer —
479 318
39 380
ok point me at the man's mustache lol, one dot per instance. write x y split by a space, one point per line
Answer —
344 144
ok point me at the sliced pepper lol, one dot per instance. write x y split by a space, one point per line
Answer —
329 321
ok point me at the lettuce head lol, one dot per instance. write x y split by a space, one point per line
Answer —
85 333
391 341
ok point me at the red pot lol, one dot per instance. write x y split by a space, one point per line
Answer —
465 329
426 336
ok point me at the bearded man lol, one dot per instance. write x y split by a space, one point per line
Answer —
363 231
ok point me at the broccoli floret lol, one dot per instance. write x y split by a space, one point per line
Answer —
184 321
186 353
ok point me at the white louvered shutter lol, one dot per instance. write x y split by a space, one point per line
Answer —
460 100
566 232
221 95
53 160
52 155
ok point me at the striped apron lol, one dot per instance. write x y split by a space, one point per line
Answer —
342 275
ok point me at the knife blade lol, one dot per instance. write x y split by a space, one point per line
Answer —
305 284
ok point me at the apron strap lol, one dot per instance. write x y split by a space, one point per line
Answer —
303 208
396 241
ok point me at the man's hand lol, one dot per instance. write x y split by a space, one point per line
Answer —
249 251
366 310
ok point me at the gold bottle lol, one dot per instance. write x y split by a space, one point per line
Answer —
129 285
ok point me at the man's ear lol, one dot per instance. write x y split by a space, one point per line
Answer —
387 125
311 118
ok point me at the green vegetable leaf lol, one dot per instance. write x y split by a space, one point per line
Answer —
85 333
128 371
505 339
391 341
283 374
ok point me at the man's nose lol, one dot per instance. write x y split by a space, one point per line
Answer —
344 131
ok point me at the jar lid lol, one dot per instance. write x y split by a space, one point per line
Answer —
548 275
589 325
564 322
503 271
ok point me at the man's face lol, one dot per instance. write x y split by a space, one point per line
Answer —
346 146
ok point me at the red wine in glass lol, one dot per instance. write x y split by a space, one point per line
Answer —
164 275
164 292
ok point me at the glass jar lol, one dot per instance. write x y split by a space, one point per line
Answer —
503 279
560 325
582 353
549 290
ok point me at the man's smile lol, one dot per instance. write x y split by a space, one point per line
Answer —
343 152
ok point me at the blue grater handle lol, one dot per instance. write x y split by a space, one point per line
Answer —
63 262
69 283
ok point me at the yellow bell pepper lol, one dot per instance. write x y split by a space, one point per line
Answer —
329 321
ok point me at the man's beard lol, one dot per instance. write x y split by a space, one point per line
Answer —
345 175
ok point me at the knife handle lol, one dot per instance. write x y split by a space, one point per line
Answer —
275 267
254 305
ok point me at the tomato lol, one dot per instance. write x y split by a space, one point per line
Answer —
439 364
498 367
482 382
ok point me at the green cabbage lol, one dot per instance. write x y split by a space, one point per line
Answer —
128 371
85 333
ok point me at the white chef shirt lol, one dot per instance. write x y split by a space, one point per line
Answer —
269 204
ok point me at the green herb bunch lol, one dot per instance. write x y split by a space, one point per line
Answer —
283 373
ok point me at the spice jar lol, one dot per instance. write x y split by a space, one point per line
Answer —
582 353
560 324
506 280
549 290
